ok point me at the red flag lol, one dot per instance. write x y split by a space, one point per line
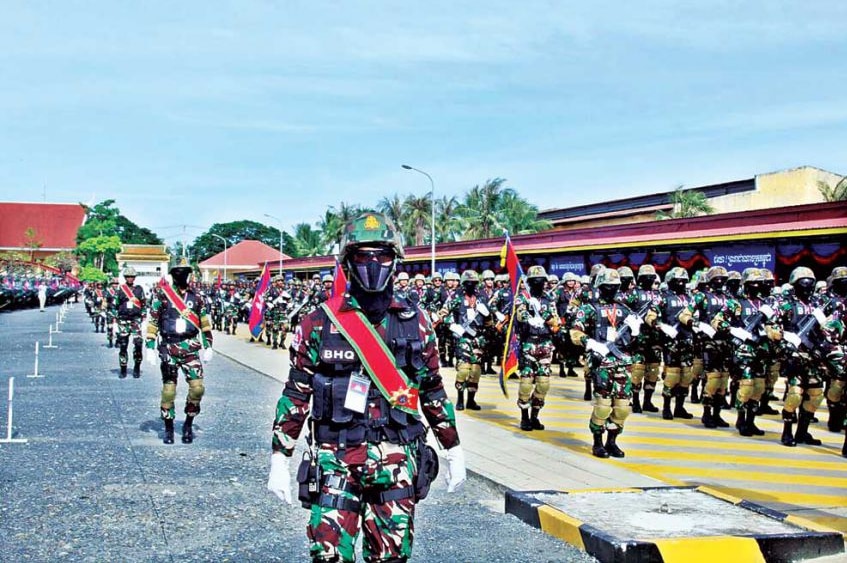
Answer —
339 282
218 283
509 259
257 309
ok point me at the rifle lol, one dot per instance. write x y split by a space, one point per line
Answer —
624 335
807 325
470 327
751 327
296 309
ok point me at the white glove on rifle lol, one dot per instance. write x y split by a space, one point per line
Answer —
279 479
740 334
152 357
207 355
598 347
456 472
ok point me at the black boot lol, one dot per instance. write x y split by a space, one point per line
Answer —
764 407
187 430
571 372
741 422
751 407
123 372
788 434
460 402
526 424
679 410
562 370
636 402
109 343
844 447
611 446
707 419
648 405
802 436
472 405
587 396
533 419
666 407
598 450
695 396
836 416
168 437
275 346
716 413
136 369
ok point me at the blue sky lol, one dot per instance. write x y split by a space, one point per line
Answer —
202 112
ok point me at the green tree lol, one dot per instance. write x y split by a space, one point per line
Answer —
104 225
520 217
92 273
448 223
32 241
394 208
687 203
206 245
307 241
480 210
838 192
417 218
65 261
100 252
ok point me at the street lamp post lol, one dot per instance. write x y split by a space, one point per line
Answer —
225 261
278 220
432 218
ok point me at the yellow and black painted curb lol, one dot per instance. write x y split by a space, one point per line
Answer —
812 540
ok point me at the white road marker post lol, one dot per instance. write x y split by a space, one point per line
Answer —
35 371
9 439
50 341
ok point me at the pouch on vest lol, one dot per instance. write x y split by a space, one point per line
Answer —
308 479
427 469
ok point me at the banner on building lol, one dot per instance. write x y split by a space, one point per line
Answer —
743 256
562 264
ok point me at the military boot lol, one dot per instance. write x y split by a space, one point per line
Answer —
587 396
526 424
707 419
472 405
533 419
787 434
460 402
109 343
844 447
562 370
611 445
802 436
764 406
572 372
648 405
751 407
741 421
168 437
136 369
188 430
679 410
123 372
666 407
716 413
695 388
636 402
598 450
836 416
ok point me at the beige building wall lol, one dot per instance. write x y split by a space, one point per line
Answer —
798 186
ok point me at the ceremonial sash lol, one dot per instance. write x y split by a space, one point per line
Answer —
178 304
131 296
374 354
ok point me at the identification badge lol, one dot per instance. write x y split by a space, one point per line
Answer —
611 334
357 393
180 325
130 305
471 315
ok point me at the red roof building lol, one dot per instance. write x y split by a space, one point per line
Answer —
43 228
246 256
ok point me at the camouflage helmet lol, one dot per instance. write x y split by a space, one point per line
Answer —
327 278
129 272
420 277
750 275
584 279
451 276
487 275
609 276
716 272
114 280
646 270
553 278
570 276
402 276
626 272
838 273
676 273
180 266
733 275
767 274
316 276
296 282
536 272
800 273
470 276
595 270
370 229
437 276
502 278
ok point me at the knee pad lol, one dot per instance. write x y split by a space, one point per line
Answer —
672 377
542 385
713 383
475 374
793 399
652 373
758 388
815 398
168 394
524 389
602 410
463 371
773 374
196 389
836 391
620 411
745 390
687 376
637 374
697 368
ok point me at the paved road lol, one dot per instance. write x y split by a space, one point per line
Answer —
95 483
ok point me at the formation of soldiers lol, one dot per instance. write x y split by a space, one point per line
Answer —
28 290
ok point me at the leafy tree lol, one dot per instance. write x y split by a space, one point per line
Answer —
687 203
100 252
206 245
32 241
91 273
65 261
418 218
307 241
99 239
448 224
394 208
481 210
833 193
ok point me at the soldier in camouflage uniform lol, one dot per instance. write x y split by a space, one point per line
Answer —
183 336
537 322
600 327
717 352
276 312
646 348
836 397
467 316
677 315
131 306
368 465
231 308
110 305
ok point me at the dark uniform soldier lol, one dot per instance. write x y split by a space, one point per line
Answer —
836 397
131 306
717 352
111 311
677 316
178 317
537 322
368 464
276 303
646 347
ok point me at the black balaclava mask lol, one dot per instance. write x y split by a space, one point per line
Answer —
839 287
180 277
372 268
753 289
607 292
677 285
536 286
717 285
804 287
469 287
646 281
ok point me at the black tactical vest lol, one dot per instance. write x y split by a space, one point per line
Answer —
170 315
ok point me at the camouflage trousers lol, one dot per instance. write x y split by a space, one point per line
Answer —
534 371
129 328
185 356
370 487
277 328
612 394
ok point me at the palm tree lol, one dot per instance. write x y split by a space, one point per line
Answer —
687 203
308 241
418 217
332 225
519 216
836 193
392 207
480 210
448 223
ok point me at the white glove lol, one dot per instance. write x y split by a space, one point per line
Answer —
740 334
482 309
670 331
792 338
456 472
152 357
208 355
537 322
706 329
279 479
595 346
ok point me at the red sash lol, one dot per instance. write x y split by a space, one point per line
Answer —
374 354
183 309
131 296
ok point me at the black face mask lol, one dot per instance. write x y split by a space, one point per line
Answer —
753 289
804 287
839 287
469 287
626 283
372 270
732 286
677 286
536 286
646 282
717 285
607 292
180 278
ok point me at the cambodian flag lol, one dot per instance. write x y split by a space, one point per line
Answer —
339 281
257 309
509 259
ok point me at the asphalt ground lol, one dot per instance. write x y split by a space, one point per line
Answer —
94 482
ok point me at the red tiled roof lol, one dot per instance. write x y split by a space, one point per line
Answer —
55 224
245 254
